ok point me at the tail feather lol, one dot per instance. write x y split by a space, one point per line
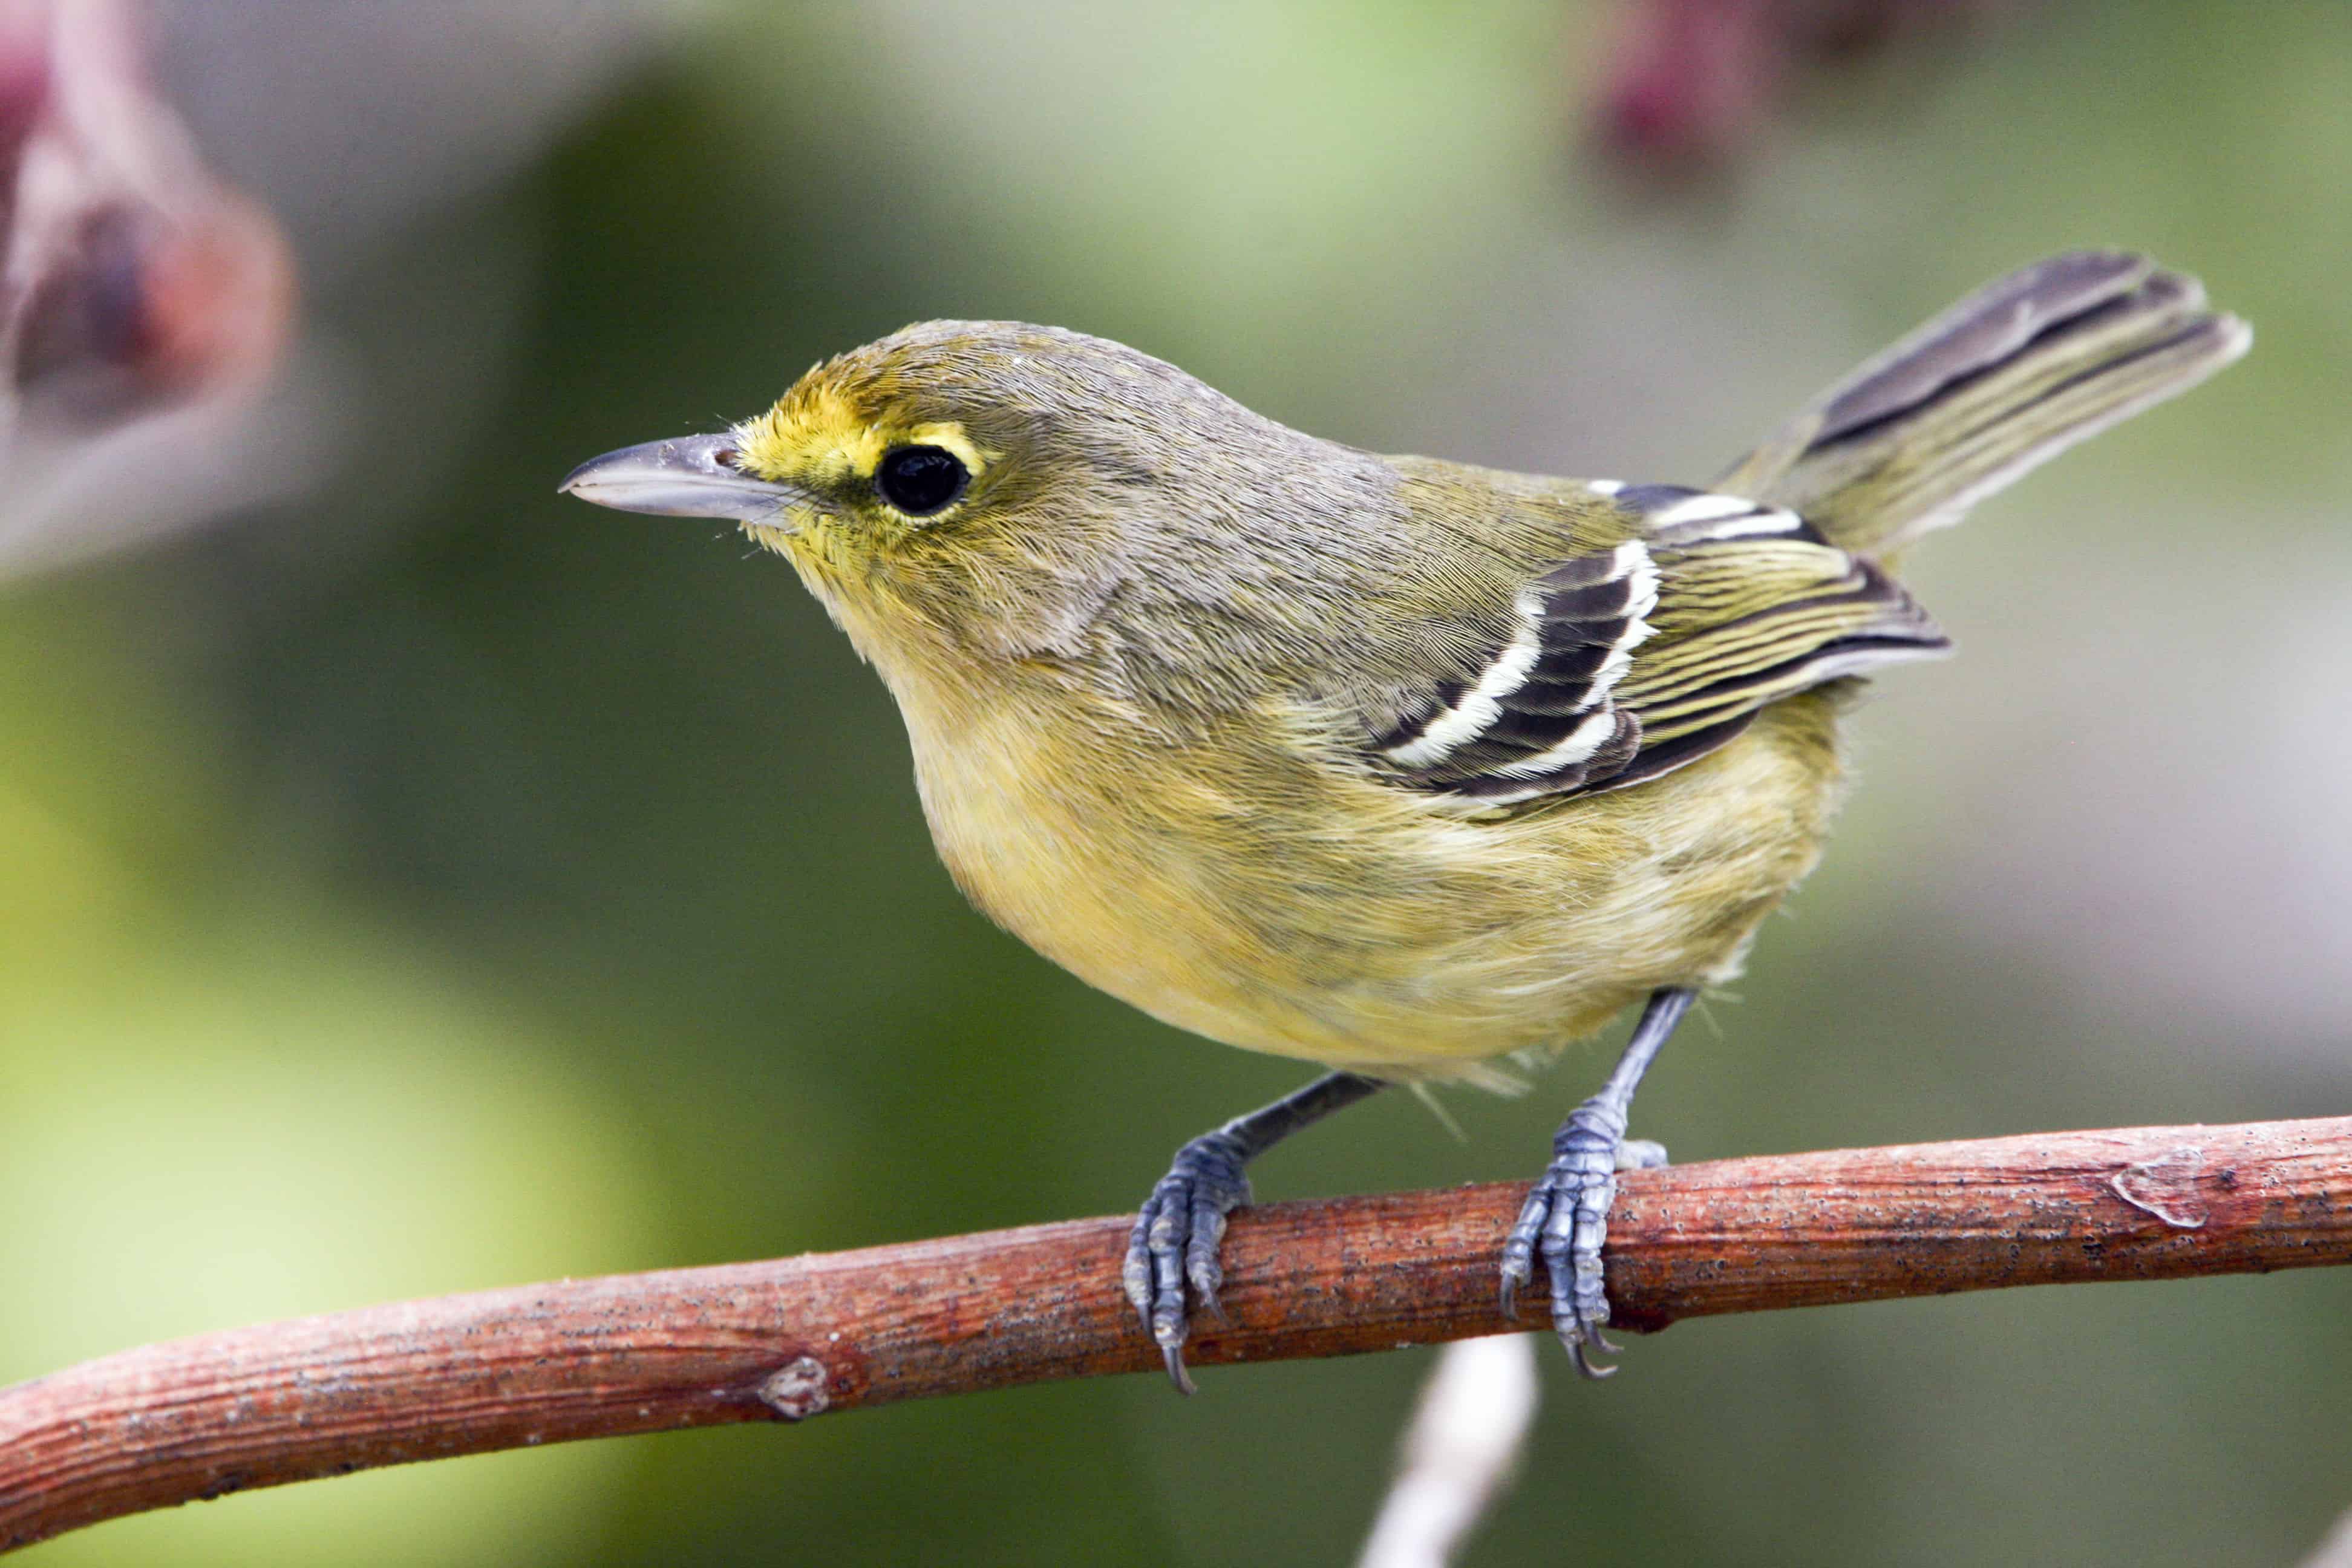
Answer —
2002 381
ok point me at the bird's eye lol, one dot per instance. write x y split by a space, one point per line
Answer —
920 480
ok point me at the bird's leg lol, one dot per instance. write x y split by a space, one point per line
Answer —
1566 1216
1176 1238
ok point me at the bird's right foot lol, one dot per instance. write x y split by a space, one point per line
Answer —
1565 1220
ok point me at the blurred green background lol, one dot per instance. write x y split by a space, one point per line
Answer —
429 883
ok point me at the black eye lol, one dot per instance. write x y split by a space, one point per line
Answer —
920 480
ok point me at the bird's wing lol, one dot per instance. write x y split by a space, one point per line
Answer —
1629 662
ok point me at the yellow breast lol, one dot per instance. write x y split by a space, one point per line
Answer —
1245 889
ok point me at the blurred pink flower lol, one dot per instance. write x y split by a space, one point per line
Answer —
1689 83
156 371
131 282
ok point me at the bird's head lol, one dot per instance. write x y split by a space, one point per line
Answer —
958 486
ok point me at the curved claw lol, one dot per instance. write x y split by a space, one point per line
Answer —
1588 1367
1519 1247
1174 1355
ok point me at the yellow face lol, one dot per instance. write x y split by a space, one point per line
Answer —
872 472
958 488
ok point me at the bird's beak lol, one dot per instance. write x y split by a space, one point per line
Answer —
693 476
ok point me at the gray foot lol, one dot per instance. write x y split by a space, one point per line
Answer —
1566 1219
1175 1242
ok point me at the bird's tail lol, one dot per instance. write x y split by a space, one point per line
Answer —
2011 376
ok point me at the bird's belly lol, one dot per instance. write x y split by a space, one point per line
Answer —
1415 945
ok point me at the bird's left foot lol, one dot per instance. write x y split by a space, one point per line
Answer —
1175 1239
1566 1219
1175 1242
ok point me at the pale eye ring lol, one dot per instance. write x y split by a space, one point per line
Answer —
920 481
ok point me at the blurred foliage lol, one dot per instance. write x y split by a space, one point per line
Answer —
436 884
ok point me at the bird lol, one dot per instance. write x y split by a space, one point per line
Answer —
1408 768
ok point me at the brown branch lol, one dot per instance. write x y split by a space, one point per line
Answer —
593 1358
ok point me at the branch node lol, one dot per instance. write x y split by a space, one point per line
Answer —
797 1391
2165 1187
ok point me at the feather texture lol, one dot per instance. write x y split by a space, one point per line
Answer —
1626 665
2004 381
1536 718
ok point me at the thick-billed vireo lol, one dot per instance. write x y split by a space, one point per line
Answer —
1392 763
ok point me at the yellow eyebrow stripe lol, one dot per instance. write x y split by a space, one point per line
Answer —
949 435
815 436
